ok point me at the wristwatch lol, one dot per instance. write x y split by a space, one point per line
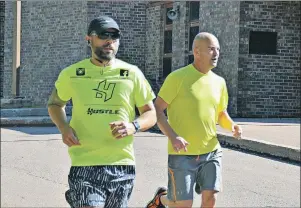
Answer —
136 125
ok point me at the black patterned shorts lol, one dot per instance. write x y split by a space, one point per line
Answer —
105 186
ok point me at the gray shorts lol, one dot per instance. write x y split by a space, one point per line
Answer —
185 171
104 186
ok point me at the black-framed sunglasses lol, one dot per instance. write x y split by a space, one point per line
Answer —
107 35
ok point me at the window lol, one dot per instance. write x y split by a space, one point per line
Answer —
168 41
263 43
194 10
193 31
190 59
167 46
166 66
193 27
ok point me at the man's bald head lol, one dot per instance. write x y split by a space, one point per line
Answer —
203 36
205 50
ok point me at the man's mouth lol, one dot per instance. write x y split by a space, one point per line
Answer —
108 48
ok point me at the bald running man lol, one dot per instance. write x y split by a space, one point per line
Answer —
196 100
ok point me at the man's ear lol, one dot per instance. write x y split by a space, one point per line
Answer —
196 51
88 39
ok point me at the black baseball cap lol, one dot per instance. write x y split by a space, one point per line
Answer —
101 24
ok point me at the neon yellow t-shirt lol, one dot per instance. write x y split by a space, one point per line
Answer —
194 101
101 95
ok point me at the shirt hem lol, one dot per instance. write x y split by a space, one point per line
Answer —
195 153
99 164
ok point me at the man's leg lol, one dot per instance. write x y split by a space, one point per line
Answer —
161 200
120 186
208 198
181 179
83 188
209 178
176 204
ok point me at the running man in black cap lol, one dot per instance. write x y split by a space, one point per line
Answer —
104 92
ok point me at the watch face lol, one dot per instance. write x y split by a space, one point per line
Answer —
137 126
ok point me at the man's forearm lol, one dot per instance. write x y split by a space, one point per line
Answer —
147 119
164 125
225 121
58 116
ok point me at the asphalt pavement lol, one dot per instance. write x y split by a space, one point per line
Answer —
35 164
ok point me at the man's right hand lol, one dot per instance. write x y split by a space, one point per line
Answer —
69 136
179 143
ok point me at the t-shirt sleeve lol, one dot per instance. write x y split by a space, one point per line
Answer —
223 104
62 86
143 92
169 89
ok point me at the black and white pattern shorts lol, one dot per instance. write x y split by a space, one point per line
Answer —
100 186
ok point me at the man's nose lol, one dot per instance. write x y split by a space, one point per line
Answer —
216 52
109 40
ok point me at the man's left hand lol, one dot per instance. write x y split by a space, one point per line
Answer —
237 131
122 129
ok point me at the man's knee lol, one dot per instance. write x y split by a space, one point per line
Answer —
209 198
181 204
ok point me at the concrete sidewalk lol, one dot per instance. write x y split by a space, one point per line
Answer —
273 137
280 131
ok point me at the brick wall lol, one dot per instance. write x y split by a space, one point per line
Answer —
269 85
52 38
130 16
222 19
259 85
2 15
154 44
8 41
179 36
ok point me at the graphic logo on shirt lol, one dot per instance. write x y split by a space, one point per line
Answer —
80 71
105 90
124 73
92 111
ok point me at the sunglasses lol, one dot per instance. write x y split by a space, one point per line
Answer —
107 35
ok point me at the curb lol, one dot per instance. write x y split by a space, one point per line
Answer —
28 112
261 147
27 121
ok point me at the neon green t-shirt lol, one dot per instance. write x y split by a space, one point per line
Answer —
194 101
101 95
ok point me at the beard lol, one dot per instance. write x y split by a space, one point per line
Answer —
104 55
